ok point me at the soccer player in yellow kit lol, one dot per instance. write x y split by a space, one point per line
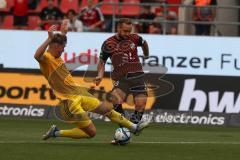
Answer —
75 101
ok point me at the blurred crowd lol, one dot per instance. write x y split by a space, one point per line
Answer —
85 15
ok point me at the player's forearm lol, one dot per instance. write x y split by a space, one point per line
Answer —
97 24
40 51
101 68
145 49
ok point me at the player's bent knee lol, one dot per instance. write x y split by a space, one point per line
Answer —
140 106
117 100
107 109
103 109
92 132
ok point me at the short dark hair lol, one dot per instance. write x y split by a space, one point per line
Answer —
59 39
125 20
71 11
147 7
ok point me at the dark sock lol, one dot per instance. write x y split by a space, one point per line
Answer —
136 117
118 108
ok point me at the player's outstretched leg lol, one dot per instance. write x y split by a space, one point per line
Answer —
71 112
119 119
136 116
119 109
51 132
77 133
140 101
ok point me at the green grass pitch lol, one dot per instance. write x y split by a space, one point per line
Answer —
21 140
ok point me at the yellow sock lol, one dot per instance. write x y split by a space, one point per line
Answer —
73 133
118 118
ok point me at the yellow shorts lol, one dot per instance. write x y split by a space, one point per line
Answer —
75 110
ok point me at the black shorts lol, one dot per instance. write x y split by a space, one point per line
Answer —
20 21
132 83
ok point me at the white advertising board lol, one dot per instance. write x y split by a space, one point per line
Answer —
218 56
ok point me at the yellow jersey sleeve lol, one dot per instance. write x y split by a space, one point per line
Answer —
59 78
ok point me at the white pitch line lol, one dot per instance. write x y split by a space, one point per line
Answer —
48 142
188 142
104 142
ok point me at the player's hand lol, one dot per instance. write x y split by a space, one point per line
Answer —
125 58
51 30
98 80
64 26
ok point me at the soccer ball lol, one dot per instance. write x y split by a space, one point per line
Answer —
122 136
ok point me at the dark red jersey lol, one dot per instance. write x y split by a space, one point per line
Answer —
116 48
90 16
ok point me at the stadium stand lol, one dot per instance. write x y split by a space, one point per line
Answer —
108 9
8 22
66 5
130 10
44 3
175 9
84 3
33 22
10 4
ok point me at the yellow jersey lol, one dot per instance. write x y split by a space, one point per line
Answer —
59 78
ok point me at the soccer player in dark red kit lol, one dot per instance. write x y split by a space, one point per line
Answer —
128 72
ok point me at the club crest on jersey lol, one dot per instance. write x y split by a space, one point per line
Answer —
132 46
116 83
